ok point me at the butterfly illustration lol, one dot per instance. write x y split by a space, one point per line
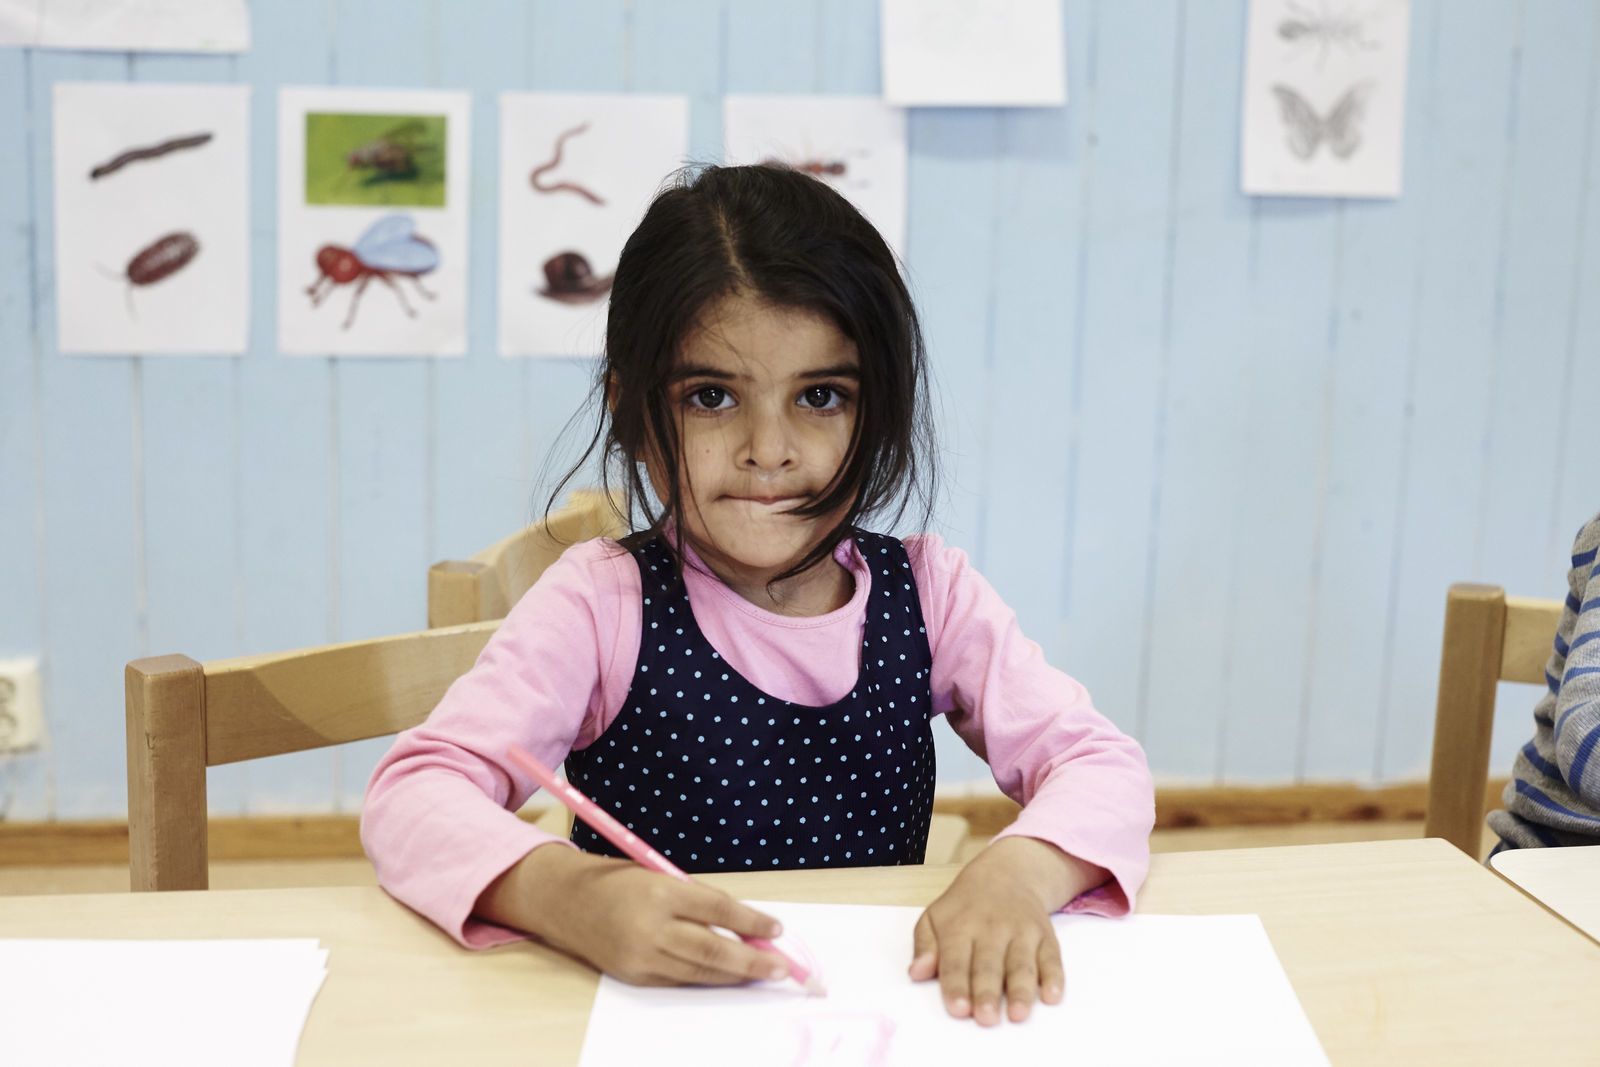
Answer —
1306 129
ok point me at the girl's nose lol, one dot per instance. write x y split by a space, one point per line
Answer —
768 446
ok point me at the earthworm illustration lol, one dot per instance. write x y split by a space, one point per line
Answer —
570 187
133 155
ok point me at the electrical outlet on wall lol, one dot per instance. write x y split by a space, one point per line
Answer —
21 713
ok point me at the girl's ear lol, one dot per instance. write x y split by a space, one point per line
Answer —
611 394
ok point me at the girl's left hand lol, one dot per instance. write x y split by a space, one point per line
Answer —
990 935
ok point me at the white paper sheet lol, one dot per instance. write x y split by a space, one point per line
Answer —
382 176
857 144
127 25
1325 97
956 53
167 1003
150 177
1152 989
577 171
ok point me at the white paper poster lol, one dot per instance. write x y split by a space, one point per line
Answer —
956 53
152 218
372 222
857 144
1325 97
127 25
1212 981
576 174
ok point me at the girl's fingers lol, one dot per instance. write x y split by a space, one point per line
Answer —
1022 978
1052 981
924 950
712 907
988 979
955 979
701 957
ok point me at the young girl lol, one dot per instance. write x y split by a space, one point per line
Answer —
748 682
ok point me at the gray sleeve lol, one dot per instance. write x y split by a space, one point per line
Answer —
1577 711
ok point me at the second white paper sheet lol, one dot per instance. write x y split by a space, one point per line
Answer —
1149 989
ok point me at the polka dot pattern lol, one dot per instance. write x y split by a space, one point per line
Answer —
720 776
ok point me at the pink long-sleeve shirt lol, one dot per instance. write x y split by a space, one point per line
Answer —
439 822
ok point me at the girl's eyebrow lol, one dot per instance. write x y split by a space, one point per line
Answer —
704 370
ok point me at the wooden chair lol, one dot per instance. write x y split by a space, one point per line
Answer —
485 585
1488 638
184 716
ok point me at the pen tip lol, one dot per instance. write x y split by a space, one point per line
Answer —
815 988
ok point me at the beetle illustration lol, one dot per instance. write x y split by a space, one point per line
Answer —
388 249
156 262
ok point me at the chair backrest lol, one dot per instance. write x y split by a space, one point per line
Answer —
1488 638
487 584
185 716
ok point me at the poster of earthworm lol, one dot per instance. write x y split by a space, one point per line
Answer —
857 144
152 218
576 173
372 222
1325 97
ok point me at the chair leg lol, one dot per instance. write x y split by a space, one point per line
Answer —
166 706
1469 671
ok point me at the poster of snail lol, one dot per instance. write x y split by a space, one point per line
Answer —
372 222
857 144
152 218
577 171
1325 97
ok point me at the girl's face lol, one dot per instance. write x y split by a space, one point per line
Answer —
765 400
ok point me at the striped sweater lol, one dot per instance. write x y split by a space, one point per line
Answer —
1553 797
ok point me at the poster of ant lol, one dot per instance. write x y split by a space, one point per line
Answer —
372 222
857 144
1325 91
152 218
576 172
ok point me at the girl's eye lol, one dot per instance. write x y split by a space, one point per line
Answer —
710 398
822 398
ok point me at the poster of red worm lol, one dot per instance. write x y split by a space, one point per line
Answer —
152 218
576 173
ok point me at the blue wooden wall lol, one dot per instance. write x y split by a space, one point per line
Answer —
1222 454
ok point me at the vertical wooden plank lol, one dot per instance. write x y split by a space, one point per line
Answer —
1450 368
571 49
772 46
286 467
94 617
165 699
1578 475
1119 362
848 47
23 781
1189 644
678 48
383 410
479 469
189 426
1381 254
1044 179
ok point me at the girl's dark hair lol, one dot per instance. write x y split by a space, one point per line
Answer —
778 235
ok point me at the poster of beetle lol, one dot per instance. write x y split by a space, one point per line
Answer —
372 222
1325 97
857 144
152 218
577 171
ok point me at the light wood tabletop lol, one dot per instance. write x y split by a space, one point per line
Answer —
1402 952
1565 880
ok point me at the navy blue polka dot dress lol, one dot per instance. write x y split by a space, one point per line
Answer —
720 776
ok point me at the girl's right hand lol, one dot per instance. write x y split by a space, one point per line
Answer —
635 924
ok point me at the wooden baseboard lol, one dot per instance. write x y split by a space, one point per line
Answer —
49 844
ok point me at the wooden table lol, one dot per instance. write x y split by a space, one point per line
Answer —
1565 880
1402 952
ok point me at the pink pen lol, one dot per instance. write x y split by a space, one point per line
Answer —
637 850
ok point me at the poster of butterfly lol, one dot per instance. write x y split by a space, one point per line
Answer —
1324 97
372 222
